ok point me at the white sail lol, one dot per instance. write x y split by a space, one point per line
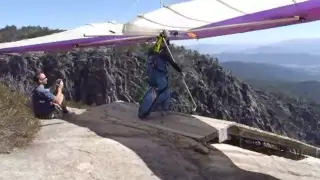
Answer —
196 13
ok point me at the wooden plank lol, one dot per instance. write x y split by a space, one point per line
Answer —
237 129
257 134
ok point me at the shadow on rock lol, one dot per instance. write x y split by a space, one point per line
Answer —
167 156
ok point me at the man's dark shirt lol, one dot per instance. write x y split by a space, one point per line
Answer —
41 100
165 55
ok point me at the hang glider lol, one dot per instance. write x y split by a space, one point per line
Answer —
194 19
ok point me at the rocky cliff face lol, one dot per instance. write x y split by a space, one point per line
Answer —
102 75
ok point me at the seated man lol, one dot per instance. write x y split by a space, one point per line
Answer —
46 105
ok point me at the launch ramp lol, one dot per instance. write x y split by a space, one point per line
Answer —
202 129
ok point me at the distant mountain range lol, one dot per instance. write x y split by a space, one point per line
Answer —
286 59
295 46
274 78
307 90
300 54
220 48
262 71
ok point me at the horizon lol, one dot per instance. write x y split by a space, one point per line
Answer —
57 15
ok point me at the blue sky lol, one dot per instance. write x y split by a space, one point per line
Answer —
67 14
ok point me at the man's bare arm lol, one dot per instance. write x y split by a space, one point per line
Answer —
59 96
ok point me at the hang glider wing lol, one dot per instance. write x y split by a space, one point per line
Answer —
191 19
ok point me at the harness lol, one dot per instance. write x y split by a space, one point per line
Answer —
156 67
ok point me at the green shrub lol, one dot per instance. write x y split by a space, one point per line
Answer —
18 126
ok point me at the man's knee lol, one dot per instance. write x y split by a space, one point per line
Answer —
57 112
